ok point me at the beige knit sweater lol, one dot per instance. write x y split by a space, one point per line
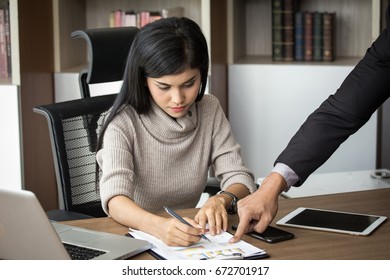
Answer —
156 160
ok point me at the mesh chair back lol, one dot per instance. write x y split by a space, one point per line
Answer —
74 126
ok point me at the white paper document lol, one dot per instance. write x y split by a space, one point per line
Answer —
219 248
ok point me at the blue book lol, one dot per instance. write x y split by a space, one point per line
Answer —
298 37
317 36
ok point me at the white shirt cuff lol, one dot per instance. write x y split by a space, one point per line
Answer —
288 174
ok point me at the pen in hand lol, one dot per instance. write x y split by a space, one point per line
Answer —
175 215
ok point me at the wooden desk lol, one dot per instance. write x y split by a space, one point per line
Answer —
329 183
307 244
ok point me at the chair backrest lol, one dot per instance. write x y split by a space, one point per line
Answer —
74 126
108 49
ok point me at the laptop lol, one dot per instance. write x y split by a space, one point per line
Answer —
26 233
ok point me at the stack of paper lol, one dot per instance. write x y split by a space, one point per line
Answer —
219 248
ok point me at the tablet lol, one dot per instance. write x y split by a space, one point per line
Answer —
334 221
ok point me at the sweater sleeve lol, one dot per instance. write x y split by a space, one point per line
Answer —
226 154
116 163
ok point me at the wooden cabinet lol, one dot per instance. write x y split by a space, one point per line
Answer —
26 161
11 141
14 78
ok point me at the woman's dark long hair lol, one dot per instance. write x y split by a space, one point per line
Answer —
164 47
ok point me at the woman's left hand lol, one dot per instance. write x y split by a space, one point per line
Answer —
214 214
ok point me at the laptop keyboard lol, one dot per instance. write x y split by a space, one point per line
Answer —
82 253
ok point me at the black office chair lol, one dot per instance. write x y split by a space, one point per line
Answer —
108 49
73 127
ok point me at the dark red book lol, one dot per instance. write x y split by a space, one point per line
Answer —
328 36
7 32
308 36
3 47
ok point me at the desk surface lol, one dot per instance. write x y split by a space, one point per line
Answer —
307 244
338 182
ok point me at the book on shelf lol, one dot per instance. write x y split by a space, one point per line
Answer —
7 27
172 12
288 9
153 15
301 35
328 36
130 18
308 36
5 65
277 30
119 18
283 30
298 36
317 36
144 17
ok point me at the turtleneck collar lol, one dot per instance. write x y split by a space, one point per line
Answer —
159 122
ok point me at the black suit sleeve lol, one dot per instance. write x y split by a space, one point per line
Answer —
345 112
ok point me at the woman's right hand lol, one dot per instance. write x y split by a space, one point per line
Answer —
171 231
174 233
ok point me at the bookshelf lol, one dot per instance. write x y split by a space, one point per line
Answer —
71 15
11 144
254 45
26 161
14 78
274 98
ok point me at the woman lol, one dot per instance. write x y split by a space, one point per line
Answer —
163 134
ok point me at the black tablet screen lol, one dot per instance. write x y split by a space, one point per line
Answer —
333 220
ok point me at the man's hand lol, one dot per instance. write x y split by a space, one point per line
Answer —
257 210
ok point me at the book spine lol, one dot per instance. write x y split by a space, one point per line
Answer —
317 36
3 47
144 19
7 31
172 12
130 18
308 36
118 18
111 19
277 30
298 36
154 16
288 30
328 39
